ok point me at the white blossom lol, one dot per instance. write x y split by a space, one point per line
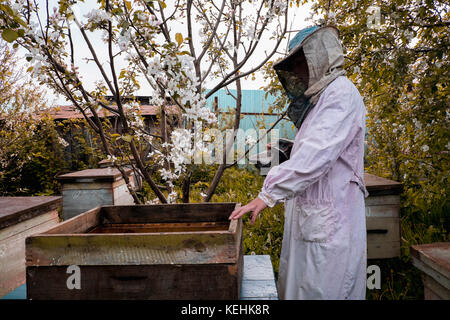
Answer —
251 32
153 21
250 140
97 16
172 198
124 39
111 158
63 142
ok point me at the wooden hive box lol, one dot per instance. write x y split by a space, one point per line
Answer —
382 217
433 260
170 251
90 188
137 179
21 217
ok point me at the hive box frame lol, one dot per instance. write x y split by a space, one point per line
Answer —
383 217
152 265
21 217
87 189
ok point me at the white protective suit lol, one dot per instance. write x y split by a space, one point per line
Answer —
324 244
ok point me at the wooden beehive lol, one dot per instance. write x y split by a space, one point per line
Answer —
171 251
433 260
382 217
90 188
137 179
21 217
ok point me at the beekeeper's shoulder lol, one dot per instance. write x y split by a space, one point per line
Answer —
344 91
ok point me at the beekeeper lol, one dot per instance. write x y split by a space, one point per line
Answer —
323 254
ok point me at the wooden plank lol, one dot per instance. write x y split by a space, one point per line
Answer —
380 186
383 229
88 185
122 196
429 294
259 290
12 261
17 209
258 267
434 290
383 211
135 282
79 201
12 249
183 212
160 227
430 271
78 224
382 200
26 225
139 248
106 174
94 184
435 255
235 224
383 250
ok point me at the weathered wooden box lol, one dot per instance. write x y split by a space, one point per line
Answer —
172 251
21 217
382 217
90 188
433 260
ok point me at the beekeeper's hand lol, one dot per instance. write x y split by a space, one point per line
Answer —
256 206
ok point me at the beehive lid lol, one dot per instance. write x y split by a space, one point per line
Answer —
433 257
380 186
104 174
17 209
108 163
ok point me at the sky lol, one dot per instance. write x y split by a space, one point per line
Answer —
297 20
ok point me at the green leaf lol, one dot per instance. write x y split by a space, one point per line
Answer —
179 38
127 138
10 35
20 21
128 5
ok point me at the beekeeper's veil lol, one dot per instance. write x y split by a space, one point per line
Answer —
325 59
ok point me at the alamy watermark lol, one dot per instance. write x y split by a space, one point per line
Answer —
239 146
74 280
373 277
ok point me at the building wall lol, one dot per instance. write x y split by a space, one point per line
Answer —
255 109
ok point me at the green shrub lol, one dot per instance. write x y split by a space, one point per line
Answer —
35 159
